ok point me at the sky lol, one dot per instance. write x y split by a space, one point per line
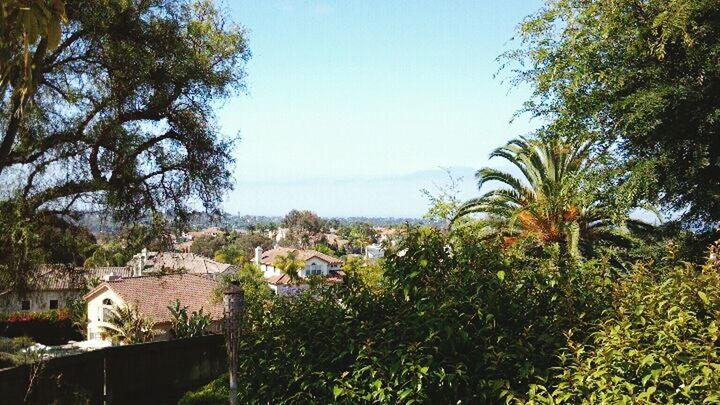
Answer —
352 106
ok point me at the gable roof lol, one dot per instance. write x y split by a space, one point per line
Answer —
153 294
270 257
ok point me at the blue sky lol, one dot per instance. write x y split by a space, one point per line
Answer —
353 106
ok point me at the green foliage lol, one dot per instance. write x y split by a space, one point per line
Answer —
217 392
256 291
290 265
207 245
13 352
118 116
234 248
359 235
556 200
111 253
445 204
128 326
188 326
659 345
78 314
370 273
640 75
306 221
442 326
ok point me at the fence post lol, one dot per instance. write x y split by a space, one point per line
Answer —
232 310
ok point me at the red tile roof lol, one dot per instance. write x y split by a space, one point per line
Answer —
153 294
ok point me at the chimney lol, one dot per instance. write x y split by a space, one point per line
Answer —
141 262
258 253
111 277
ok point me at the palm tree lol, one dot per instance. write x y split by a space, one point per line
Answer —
556 200
127 326
290 265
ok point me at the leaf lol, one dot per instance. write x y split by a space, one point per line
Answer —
704 297
501 275
337 391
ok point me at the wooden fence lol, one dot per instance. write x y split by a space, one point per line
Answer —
149 373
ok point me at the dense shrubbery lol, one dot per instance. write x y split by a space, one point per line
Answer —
47 327
660 343
13 353
454 319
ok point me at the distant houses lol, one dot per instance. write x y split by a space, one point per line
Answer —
316 264
151 294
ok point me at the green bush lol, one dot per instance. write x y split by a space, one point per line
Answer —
659 345
453 320
214 393
12 351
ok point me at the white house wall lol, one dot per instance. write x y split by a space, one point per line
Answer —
94 312
39 300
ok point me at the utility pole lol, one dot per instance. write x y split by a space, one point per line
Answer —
233 302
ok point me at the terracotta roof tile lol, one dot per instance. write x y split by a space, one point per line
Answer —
153 294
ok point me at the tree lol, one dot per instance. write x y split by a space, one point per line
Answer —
642 75
207 245
128 326
246 243
557 199
305 220
119 115
26 24
290 265
231 254
110 253
445 204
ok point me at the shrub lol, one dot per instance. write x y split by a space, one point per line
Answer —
659 345
453 320
12 351
47 327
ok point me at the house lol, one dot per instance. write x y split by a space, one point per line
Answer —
55 286
152 294
316 264
167 262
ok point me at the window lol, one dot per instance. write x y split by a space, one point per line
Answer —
25 305
105 312
53 304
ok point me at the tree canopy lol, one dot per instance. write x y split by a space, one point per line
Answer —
118 116
557 198
643 76
120 113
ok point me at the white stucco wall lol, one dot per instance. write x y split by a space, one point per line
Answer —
95 312
39 300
